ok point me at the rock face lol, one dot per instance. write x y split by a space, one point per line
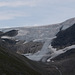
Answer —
30 47
1 32
64 38
11 33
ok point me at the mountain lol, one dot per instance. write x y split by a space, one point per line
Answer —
66 35
37 43
14 64
50 47
11 33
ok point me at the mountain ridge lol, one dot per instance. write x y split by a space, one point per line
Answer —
43 46
36 34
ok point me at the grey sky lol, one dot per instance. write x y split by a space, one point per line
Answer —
15 13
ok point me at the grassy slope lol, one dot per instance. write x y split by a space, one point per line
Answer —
12 64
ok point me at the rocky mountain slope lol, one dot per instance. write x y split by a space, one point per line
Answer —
65 38
36 42
52 46
14 64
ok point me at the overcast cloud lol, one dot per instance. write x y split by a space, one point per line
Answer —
35 12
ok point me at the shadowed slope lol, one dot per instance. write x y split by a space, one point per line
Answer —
13 64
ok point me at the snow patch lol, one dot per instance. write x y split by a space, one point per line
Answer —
38 40
58 52
6 37
25 42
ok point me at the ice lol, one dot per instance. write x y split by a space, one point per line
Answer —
67 23
6 37
42 34
58 52
38 40
43 53
22 32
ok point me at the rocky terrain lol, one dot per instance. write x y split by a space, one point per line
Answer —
50 47
64 38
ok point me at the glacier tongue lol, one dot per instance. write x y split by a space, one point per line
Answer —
43 54
47 53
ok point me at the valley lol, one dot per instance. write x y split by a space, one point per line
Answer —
41 50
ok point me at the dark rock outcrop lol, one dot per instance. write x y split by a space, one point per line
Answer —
1 32
11 33
30 47
64 38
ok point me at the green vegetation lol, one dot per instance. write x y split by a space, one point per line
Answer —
13 64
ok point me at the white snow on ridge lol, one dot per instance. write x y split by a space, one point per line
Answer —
6 37
42 32
38 40
30 34
22 32
66 24
58 52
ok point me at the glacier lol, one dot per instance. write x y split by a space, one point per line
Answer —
42 34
